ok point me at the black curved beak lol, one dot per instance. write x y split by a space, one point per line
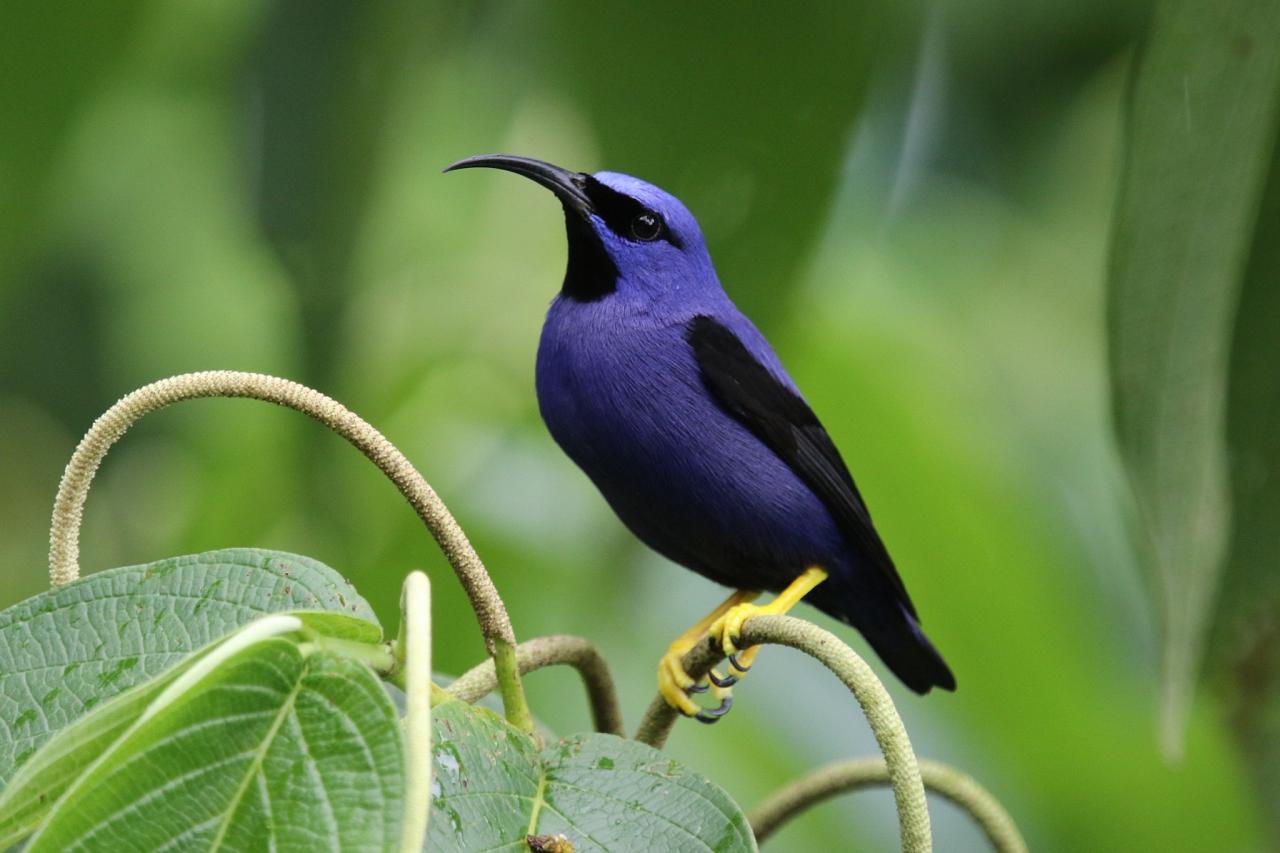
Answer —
568 186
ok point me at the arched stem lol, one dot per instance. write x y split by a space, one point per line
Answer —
886 725
68 509
533 654
854 775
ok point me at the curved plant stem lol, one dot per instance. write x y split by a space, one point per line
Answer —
413 651
507 672
68 508
533 654
886 725
856 774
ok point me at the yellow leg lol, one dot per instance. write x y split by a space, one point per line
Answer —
729 626
673 681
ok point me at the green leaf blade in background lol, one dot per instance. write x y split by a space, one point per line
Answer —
65 650
269 747
1243 658
1201 128
600 791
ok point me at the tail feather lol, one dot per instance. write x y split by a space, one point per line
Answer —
888 626
908 653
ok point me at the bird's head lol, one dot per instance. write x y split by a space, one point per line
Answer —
626 236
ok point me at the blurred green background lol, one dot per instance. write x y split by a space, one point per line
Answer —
912 201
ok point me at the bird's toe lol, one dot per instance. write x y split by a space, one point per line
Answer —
676 686
727 630
675 693
740 662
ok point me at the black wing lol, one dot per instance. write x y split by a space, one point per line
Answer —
784 422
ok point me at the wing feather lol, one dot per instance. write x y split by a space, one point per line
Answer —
780 418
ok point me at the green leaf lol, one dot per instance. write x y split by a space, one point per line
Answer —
494 788
340 626
66 650
259 746
1201 131
1243 658
42 779
46 775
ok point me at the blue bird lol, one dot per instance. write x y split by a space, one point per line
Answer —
680 412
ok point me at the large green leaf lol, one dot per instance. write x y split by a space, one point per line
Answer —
494 788
264 748
43 778
46 775
64 651
1244 654
1201 130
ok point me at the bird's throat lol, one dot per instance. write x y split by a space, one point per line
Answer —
591 273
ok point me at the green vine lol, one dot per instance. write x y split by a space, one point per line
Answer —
406 662
606 715
73 490
859 773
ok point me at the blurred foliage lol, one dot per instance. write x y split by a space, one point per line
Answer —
1244 657
1193 319
914 202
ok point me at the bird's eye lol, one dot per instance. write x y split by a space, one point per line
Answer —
647 226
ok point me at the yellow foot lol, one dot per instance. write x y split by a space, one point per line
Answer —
724 624
727 629
676 685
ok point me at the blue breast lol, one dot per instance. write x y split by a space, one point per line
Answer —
623 397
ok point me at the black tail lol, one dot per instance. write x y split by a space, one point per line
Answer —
887 623
907 651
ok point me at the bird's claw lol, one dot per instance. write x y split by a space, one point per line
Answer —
713 715
676 686
727 633
722 681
